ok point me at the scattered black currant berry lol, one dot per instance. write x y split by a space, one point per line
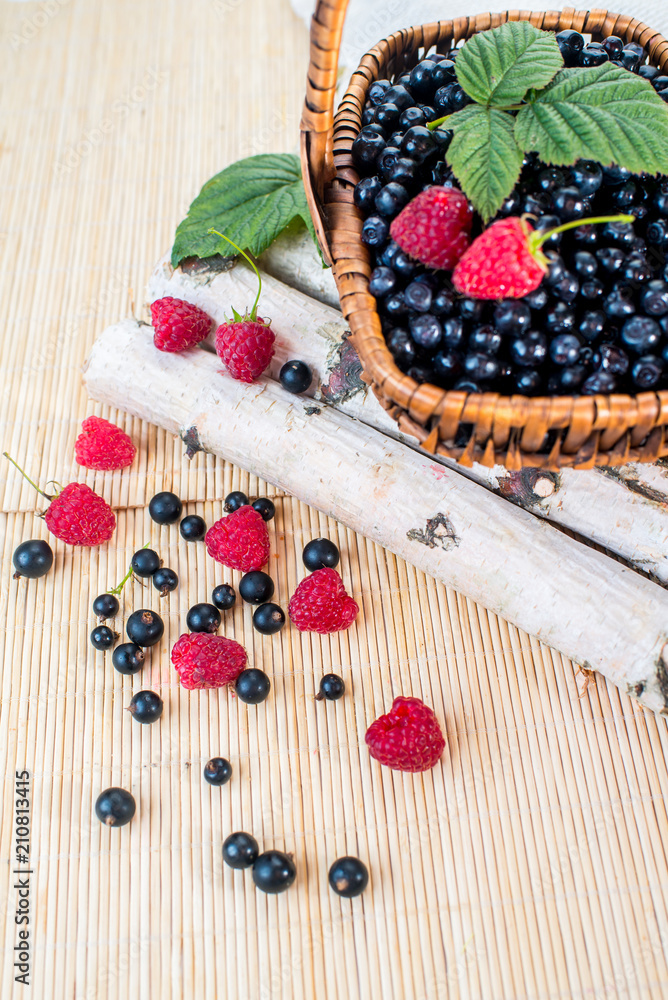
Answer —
320 553
145 562
145 627
203 618
268 619
146 707
256 587
240 850
106 606
218 771
128 658
332 687
103 638
274 871
265 508
348 877
233 501
165 508
252 686
32 559
193 528
115 807
224 596
295 376
165 580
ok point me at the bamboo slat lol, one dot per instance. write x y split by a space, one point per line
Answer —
530 863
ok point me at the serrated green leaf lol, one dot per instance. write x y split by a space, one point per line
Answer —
251 201
484 156
603 113
497 67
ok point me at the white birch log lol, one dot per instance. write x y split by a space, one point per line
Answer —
624 510
594 610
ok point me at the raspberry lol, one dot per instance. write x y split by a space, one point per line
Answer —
503 263
240 540
245 347
320 604
207 661
435 227
80 517
178 325
408 738
103 446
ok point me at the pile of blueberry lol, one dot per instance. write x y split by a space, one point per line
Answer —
599 321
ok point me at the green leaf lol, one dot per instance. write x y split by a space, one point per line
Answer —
251 201
484 156
497 67
603 113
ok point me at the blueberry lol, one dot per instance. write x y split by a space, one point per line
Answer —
654 299
649 72
599 383
592 325
274 871
530 350
511 204
647 371
610 358
203 618
33 559
295 377
660 82
614 46
447 365
382 281
375 231
404 171
235 501
621 233
565 349
402 347
471 309
657 233
106 606
115 807
571 44
586 264
572 377
636 269
418 143
614 175
453 332
165 580
620 303
421 83
444 72
404 265
551 178
418 296
512 316
268 619
366 149
587 177
377 91
224 597
528 382
611 259
165 508
412 116
391 199
386 161
586 235
536 300
567 288
320 553
193 528
102 638
556 269
629 59
256 587
395 304
240 850
146 707
252 686
592 290
421 373
145 627
481 367
365 193
348 877
332 687
426 330
128 658
560 319
486 339
546 222
537 203
641 334
569 203
400 96
625 196
593 55
217 771
466 385
443 302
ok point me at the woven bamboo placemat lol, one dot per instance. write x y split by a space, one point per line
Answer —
531 863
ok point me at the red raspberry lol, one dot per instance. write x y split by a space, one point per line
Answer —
103 446
178 325
80 517
245 347
240 540
505 262
435 227
320 604
207 661
408 738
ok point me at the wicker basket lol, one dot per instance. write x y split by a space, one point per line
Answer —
515 431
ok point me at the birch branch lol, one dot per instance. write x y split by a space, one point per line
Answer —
624 510
588 606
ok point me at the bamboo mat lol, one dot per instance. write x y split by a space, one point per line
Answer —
530 863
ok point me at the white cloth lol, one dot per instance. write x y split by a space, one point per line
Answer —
368 21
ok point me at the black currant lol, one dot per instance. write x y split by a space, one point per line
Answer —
102 638
128 658
146 707
217 771
295 376
320 553
145 627
193 528
256 587
268 619
32 559
165 508
165 580
348 877
240 850
145 562
115 807
224 596
265 508
233 501
332 687
274 871
252 686
106 606
203 618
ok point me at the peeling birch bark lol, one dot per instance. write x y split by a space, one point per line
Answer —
591 608
625 510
